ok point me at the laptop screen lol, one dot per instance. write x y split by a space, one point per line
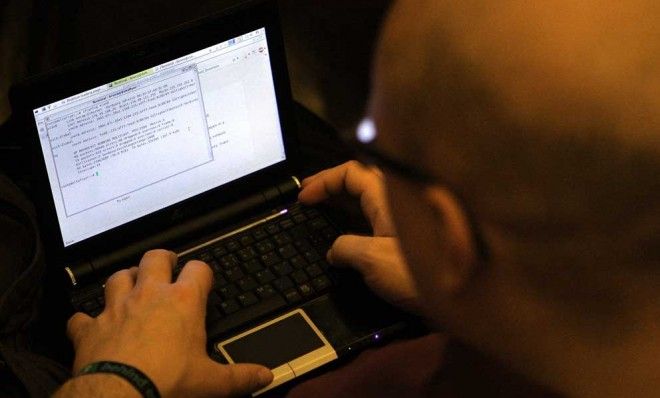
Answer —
130 147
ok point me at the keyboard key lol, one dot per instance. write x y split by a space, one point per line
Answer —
219 281
299 231
272 229
323 264
232 245
314 270
306 289
247 299
270 259
283 283
299 218
318 223
259 233
287 223
292 296
298 262
253 266
282 269
299 276
264 277
302 245
262 308
282 238
218 252
264 246
246 240
215 266
229 261
234 274
247 253
205 256
311 256
247 284
213 300
312 213
317 240
287 251
330 234
229 306
321 283
265 291
229 291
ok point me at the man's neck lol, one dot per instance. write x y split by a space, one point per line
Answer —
618 358
629 367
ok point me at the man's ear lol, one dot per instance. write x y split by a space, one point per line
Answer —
457 249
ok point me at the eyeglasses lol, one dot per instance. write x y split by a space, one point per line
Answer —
361 143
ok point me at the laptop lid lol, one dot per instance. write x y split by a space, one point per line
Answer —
160 131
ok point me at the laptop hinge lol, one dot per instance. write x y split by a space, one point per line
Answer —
82 272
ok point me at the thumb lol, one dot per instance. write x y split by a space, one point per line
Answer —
234 380
380 262
354 251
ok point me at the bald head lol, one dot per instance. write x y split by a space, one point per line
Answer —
565 63
545 116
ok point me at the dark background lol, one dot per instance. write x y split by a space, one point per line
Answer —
329 44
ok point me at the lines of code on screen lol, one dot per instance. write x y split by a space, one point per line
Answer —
128 139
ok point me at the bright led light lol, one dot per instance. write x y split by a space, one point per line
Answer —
366 131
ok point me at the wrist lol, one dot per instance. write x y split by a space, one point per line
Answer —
134 376
99 385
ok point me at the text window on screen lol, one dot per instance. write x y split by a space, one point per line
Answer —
128 139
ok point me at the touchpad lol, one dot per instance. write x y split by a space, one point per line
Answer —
289 345
276 344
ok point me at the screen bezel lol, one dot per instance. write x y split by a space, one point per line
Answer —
134 58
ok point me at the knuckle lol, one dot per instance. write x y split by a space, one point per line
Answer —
157 253
199 264
145 291
119 275
74 326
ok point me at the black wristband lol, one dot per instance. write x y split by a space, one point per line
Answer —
133 375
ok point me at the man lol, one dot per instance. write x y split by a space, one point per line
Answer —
518 143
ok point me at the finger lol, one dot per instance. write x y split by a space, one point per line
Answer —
199 274
75 326
234 380
357 180
156 266
119 285
351 177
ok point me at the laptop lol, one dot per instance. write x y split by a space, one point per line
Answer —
186 141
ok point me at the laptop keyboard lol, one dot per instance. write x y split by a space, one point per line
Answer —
274 265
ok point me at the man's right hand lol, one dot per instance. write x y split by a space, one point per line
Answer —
378 258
